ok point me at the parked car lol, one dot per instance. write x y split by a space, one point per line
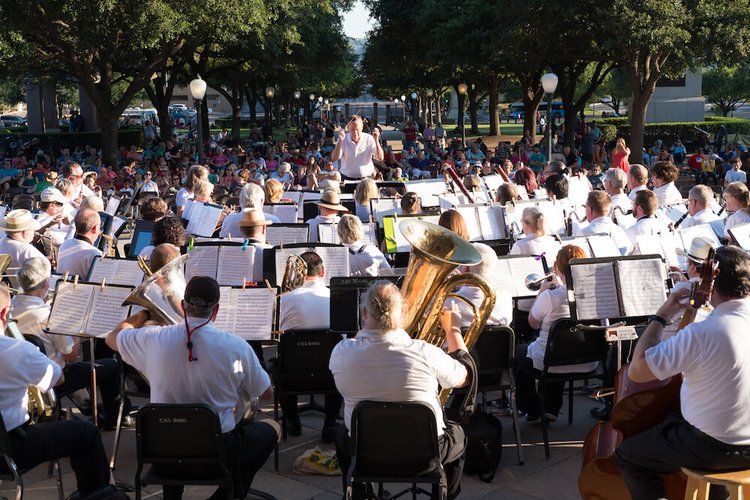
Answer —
176 107
13 121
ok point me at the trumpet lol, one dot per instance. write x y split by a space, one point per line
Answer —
534 282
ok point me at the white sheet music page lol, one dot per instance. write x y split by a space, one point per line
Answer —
327 233
469 213
276 235
253 312
295 196
602 245
741 235
578 189
642 286
203 261
106 309
492 222
117 223
335 261
501 279
688 234
520 268
203 219
371 233
493 181
553 216
581 242
595 291
113 203
380 207
70 309
235 266
428 191
116 271
225 319
287 214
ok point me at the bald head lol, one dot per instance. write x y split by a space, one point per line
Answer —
87 223
637 176
162 255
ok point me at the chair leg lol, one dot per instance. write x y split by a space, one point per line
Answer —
516 427
59 481
118 430
544 420
570 402
137 485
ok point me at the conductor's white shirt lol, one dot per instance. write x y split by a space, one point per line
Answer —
225 376
356 158
307 307
75 257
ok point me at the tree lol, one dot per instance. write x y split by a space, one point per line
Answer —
726 87
615 89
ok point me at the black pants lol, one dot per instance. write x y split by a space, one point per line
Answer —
32 445
78 376
332 408
527 397
665 448
247 447
452 455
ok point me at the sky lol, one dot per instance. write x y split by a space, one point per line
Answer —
357 21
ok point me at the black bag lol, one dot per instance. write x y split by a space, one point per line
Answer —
484 437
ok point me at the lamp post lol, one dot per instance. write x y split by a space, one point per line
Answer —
328 109
429 93
198 91
462 90
403 107
297 95
549 83
270 91
413 107
312 103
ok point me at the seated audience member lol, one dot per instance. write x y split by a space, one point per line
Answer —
211 367
550 305
308 308
365 259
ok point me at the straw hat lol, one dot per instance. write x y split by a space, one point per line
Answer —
253 217
332 201
19 220
699 249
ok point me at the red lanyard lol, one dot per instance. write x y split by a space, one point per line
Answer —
189 333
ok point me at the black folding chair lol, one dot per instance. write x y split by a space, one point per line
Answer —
494 351
183 445
569 343
395 443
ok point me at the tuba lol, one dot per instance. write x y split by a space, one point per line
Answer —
435 252
162 292
295 271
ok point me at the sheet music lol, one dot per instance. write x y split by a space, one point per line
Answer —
578 189
53 279
328 233
688 234
287 213
595 291
510 275
472 222
253 313
203 261
69 309
428 191
642 286
203 219
492 222
106 309
493 181
188 208
581 242
117 223
371 233
276 235
116 271
335 261
380 207
235 266
602 245
113 203
553 216
225 319
295 196
448 201
672 213
741 235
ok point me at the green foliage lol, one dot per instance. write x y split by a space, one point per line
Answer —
726 87
125 137
668 131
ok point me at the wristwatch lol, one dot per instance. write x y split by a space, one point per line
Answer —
658 319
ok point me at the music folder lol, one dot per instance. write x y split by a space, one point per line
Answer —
335 260
616 287
87 309
248 312
484 222
115 271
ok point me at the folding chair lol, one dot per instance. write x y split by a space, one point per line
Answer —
395 443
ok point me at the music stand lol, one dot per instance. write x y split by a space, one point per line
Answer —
345 297
141 237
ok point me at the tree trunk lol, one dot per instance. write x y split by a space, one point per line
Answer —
277 113
569 137
472 97
236 119
642 76
288 108
438 105
160 95
108 124
494 114
638 110
532 94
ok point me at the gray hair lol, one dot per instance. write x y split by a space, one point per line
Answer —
383 301
252 196
488 264
93 202
33 274
616 177
702 194
203 187
350 229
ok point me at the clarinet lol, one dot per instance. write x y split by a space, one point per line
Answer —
679 221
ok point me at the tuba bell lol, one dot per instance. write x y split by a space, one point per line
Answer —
435 252
295 271
162 292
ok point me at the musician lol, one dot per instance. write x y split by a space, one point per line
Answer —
251 196
454 221
366 190
19 225
22 365
195 174
713 430
31 311
644 211
73 172
166 230
196 363
637 179
737 199
52 219
77 254
556 186
382 363
154 208
699 207
597 210
356 150
162 255
329 207
365 259
615 180
663 175
550 305
253 227
411 203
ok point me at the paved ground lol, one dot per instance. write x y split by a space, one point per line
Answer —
538 478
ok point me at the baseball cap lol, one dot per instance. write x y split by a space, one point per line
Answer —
202 291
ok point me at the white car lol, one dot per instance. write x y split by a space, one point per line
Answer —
13 121
177 107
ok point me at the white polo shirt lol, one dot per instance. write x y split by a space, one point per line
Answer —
22 365
606 225
704 216
502 313
75 257
226 375
668 194
631 194
307 307
736 219
392 367
31 313
367 260
714 359
20 252
356 158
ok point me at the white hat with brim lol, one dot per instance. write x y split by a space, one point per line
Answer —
253 217
700 247
53 194
332 201
19 220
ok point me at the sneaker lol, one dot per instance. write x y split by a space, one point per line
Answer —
533 419
128 422
550 417
294 428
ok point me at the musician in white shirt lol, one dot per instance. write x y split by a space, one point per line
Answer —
699 207
185 194
52 219
597 208
637 179
737 199
74 173
644 211
251 196
356 150
77 254
253 227
308 308
365 259
329 207
663 174
615 180
19 225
